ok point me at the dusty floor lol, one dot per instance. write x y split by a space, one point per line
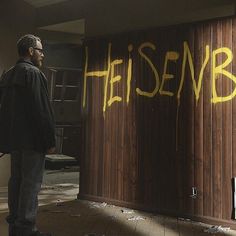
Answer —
63 215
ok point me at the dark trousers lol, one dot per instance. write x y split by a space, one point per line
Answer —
24 185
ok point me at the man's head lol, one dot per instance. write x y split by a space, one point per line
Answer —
30 47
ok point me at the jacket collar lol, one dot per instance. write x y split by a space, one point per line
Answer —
22 60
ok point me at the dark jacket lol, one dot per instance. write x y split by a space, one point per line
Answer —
26 117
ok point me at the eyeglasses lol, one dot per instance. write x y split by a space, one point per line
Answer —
39 49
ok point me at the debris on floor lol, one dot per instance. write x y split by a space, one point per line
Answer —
59 186
183 219
98 205
127 211
133 218
67 185
217 229
48 187
59 202
94 234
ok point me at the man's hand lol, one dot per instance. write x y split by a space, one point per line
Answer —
51 150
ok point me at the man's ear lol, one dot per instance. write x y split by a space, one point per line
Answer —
31 51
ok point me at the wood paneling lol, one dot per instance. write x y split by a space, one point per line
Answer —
151 151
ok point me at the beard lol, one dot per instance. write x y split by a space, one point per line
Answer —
36 60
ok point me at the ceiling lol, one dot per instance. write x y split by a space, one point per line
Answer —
42 3
73 27
100 17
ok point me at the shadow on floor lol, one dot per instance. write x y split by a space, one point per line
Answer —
80 218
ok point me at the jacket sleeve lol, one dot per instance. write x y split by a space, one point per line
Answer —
41 108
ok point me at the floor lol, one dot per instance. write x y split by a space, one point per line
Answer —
63 215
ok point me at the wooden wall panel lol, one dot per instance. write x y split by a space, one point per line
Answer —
151 150
217 130
227 132
207 193
234 101
198 128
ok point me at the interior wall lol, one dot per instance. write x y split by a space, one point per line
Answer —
63 55
159 119
12 26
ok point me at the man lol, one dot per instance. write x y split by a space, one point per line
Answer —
27 133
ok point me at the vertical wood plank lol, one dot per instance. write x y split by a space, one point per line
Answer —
207 124
227 131
217 129
198 129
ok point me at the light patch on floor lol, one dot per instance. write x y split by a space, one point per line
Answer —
63 215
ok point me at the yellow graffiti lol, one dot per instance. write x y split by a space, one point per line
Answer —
96 74
85 77
154 92
196 87
129 74
173 56
107 76
220 70
112 81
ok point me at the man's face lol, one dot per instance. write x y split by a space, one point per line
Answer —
37 55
